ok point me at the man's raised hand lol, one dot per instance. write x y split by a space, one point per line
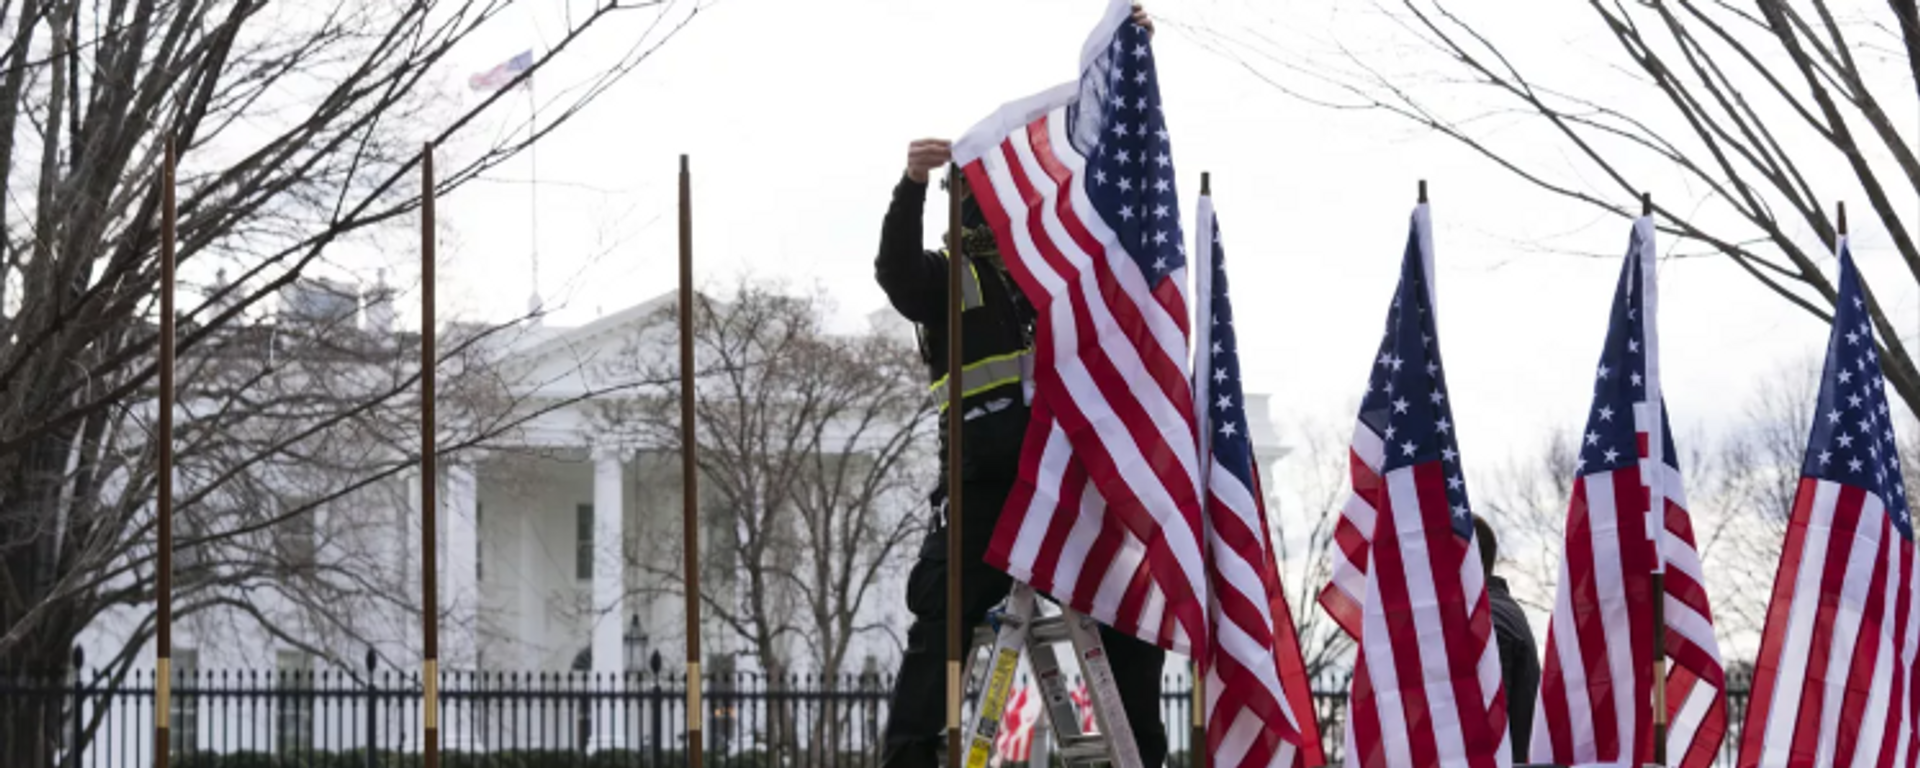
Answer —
924 155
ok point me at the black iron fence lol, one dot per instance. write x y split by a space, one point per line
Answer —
370 718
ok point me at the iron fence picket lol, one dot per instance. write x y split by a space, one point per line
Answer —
370 717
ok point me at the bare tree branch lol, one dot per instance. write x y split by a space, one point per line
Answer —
1727 96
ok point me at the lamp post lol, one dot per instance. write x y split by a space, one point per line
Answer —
636 644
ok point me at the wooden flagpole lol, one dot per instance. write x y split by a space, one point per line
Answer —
689 474
956 642
429 502
1659 577
163 640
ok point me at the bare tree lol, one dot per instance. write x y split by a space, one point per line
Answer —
812 458
300 128
1768 112
1313 488
1740 483
1527 506
1748 492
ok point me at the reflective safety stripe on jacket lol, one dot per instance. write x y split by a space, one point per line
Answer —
982 376
997 357
969 288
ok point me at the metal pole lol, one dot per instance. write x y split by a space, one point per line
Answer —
533 192
429 501
163 641
689 470
79 705
656 703
956 642
372 717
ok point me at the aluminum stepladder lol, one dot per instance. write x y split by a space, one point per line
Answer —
1024 629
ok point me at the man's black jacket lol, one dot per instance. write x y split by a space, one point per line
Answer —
1519 664
915 281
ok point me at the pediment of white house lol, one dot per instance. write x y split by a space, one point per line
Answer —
560 363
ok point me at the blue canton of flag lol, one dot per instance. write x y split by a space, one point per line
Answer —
1118 124
1231 443
1406 402
1612 437
1852 441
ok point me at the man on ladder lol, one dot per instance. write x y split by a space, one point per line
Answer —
997 340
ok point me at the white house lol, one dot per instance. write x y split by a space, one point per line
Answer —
534 527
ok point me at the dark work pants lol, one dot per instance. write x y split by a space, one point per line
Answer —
916 721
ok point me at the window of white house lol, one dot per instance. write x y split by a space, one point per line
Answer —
184 711
293 722
722 520
296 539
479 535
583 542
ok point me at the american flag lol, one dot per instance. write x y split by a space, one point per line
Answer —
1014 742
1083 703
1595 702
1407 583
1834 685
502 74
1077 183
1259 709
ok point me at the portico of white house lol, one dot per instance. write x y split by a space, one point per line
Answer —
563 538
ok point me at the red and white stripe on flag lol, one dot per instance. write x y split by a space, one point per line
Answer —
1407 583
1834 684
1083 704
1105 515
1259 708
1595 698
1014 742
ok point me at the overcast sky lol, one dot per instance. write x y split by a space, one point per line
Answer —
797 116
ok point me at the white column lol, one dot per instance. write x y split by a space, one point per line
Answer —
460 594
460 579
530 630
609 593
411 651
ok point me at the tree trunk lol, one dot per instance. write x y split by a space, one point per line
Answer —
32 729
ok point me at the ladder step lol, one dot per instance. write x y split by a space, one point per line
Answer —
1049 629
983 637
1091 751
1045 629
